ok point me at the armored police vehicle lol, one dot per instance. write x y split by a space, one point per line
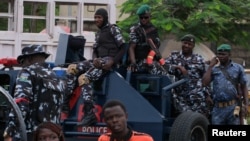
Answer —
147 98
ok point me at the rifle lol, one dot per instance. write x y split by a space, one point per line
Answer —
240 104
154 52
240 93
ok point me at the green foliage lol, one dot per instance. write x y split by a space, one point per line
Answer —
209 20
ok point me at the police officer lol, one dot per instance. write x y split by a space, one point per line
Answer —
192 95
139 45
108 50
38 93
229 79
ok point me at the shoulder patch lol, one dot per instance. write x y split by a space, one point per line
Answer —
24 77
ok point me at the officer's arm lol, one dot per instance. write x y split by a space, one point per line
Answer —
206 79
171 63
120 54
120 43
94 54
132 53
24 92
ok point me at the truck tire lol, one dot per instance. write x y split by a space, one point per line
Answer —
189 126
17 112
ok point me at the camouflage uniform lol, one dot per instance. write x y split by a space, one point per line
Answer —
87 69
224 90
142 49
190 96
36 105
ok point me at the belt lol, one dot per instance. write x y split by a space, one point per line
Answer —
225 104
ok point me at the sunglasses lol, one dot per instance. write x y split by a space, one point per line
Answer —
221 54
144 17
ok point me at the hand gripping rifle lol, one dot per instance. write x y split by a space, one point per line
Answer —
154 52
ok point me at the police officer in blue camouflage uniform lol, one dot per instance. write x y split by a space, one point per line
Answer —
139 47
225 94
192 95
108 50
38 93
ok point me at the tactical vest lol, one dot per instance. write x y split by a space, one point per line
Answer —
142 48
106 45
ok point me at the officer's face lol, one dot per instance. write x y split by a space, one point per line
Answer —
144 19
187 47
98 20
26 62
116 119
223 56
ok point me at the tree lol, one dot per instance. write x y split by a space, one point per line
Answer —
209 20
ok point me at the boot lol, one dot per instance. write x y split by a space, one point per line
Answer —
89 117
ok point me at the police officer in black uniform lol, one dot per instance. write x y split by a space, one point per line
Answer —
139 47
108 50
38 93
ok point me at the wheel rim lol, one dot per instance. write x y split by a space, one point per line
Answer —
198 134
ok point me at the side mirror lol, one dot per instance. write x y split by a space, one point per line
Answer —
70 49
